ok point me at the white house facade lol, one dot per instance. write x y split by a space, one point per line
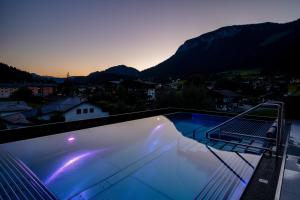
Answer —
5 92
151 94
80 112
84 111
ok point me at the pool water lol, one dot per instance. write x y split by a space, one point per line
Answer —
187 122
149 158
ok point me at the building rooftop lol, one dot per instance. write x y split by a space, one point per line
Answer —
15 118
18 85
13 106
62 105
226 93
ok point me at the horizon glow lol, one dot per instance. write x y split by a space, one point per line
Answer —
80 37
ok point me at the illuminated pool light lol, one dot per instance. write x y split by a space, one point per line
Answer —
71 139
65 166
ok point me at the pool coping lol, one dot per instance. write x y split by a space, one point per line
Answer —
23 133
10 135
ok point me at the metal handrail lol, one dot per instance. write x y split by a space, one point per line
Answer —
233 118
227 121
241 114
280 107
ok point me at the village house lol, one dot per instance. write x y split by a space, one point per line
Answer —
15 120
141 88
43 90
7 89
11 114
225 100
110 87
10 107
71 109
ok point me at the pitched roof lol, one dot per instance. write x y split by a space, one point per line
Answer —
12 106
30 113
115 82
15 118
18 85
226 93
62 105
138 84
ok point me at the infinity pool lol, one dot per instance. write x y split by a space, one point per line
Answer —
187 122
150 158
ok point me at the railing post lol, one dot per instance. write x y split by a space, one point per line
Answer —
278 129
280 126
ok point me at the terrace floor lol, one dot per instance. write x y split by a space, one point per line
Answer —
291 178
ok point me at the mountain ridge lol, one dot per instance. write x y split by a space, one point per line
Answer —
113 73
12 74
266 45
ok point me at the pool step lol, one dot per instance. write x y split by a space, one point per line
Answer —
232 176
105 184
227 146
18 182
257 143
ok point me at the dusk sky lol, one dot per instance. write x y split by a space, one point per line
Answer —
81 36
